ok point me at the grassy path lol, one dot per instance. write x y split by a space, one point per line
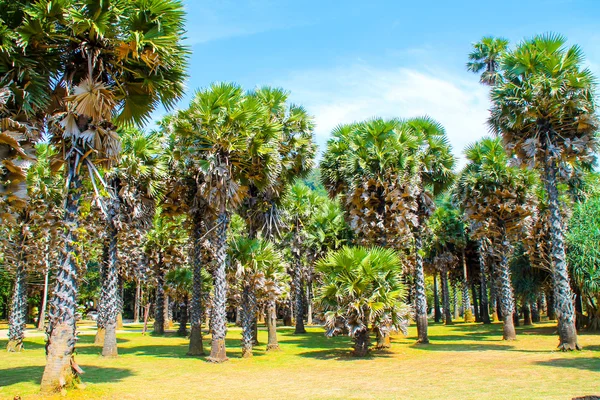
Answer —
463 362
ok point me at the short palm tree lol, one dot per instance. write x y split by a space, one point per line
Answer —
254 262
497 199
362 291
485 59
545 112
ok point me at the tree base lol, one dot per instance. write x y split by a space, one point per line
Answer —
569 347
61 372
469 317
247 353
196 346
217 351
273 347
14 346
99 339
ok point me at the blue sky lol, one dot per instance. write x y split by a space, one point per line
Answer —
350 60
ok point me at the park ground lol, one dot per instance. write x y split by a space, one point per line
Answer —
463 361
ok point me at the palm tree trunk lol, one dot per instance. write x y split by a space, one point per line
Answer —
110 285
183 314
494 294
535 312
61 369
507 301
219 312
196 347
476 308
18 311
455 307
526 314
420 295
467 313
484 308
550 310
136 305
120 300
168 319
248 314
159 310
272 325
299 293
42 318
563 295
309 297
446 297
436 300
361 343
103 301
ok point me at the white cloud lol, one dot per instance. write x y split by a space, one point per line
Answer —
347 94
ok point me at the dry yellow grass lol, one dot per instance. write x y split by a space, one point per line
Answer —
462 362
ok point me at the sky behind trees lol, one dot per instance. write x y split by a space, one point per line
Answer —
350 60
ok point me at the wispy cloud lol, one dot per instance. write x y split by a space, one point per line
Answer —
347 94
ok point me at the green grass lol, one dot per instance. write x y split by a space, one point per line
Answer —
464 361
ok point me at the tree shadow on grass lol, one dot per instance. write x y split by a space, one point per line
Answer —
454 347
11 376
344 355
583 363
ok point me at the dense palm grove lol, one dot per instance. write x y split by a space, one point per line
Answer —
220 214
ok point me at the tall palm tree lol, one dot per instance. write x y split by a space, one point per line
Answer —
434 159
545 112
485 59
118 61
362 291
28 224
299 205
498 200
228 139
133 183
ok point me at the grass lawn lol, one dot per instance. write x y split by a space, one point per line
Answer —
464 361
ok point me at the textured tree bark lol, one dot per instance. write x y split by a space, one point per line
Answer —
420 295
159 310
475 302
383 340
183 316
103 300
196 347
526 314
436 300
446 298
248 317
362 343
42 317
120 300
507 302
535 314
272 325
18 311
550 309
136 305
483 306
168 313
494 294
287 316
61 369
455 307
219 312
467 313
563 295
111 286
309 297
299 294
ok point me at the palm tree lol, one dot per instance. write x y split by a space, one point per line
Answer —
434 159
299 205
545 112
28 223
227 138
254 262
118 62
485 57
497 199
133 184
361 292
